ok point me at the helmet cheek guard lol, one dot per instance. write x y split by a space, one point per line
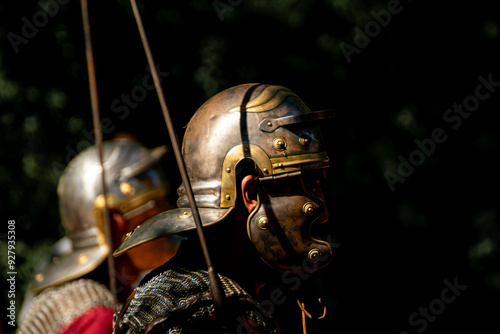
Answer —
280 226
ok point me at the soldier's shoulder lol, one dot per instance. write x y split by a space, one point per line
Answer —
56 307
178 300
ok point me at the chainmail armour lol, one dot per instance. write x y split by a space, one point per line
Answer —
179 301
55 307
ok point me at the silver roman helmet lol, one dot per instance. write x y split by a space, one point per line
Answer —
276 130
134 183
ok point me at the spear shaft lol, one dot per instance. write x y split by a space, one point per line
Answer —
98 141
215 284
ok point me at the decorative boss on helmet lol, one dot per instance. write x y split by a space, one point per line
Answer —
134 184
275 129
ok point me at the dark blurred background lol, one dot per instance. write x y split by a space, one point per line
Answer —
390 69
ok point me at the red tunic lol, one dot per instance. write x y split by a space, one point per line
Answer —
97 320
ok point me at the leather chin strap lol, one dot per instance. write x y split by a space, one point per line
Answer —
305 314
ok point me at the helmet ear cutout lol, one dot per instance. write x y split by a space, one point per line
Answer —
241 159
246 184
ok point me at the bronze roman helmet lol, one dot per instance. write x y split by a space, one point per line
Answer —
134 183
273 127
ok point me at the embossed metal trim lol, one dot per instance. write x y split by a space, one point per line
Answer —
270 98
